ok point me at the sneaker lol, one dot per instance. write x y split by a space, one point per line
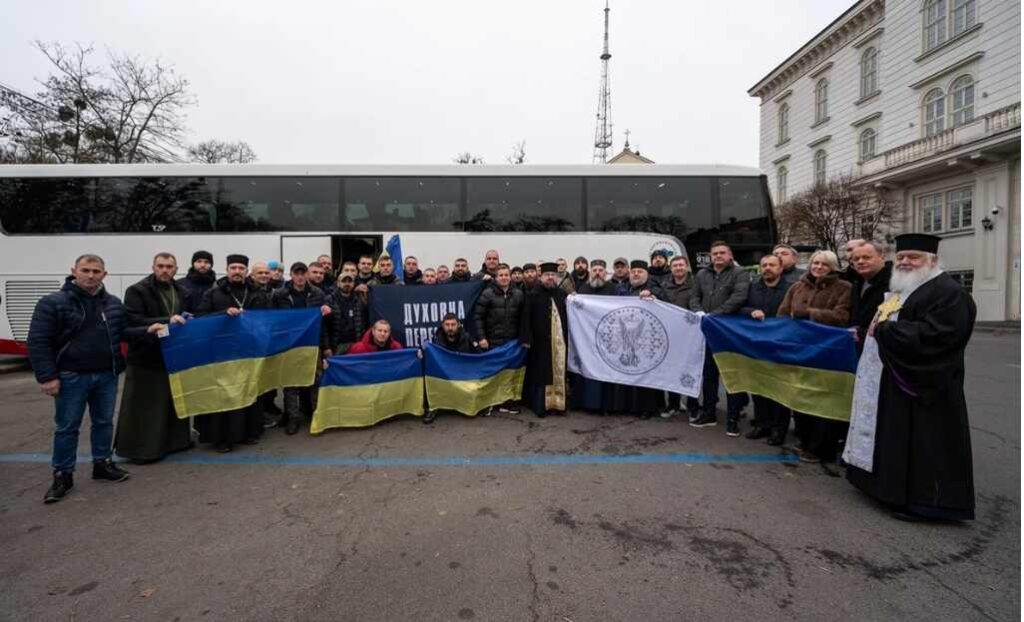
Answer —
108 471
775 440
61 486
508 409
693 415
704 421
758 432
269 421
732 427
488 412
668 413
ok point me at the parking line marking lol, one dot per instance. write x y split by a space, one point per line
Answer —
437 461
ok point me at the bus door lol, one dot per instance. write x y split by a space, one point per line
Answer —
351 247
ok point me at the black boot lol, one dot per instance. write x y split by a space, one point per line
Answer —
62 485
108 471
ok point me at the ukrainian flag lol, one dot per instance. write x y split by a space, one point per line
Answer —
469 383
219 363
808 367
360 390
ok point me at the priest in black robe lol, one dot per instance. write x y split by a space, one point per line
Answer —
922 466
544 388
630 399
587 394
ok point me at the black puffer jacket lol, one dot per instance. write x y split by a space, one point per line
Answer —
500 315
223 297
197 285
311 296
57 323
145 306
462 342
347 321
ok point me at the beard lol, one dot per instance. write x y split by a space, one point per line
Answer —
548 285
636 282
596 283
903 281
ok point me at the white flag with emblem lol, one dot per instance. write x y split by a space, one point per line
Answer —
644 343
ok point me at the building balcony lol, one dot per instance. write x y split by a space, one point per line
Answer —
996 130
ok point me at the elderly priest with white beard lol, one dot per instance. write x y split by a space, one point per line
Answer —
922 467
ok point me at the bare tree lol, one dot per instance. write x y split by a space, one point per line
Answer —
467 158
830 214
133 110
518 155
217 151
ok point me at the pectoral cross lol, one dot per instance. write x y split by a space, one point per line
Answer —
887 308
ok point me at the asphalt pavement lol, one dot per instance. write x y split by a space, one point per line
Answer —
504 518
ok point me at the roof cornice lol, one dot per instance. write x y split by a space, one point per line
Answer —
863 16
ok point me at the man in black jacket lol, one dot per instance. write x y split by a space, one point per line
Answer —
460 271
316 275
620 272
544 388
489 269
580 273
500 315
678 287
771 419
74 347
298 293
349 318
233 295
386 274
148 428
200 278
598 284
722 289
870 281
530 277
411 273
451 336
659 270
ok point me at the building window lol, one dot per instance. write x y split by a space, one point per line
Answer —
965 278
961 103
783 123
821 101
780 184
867 145
934 112
934 23
820 162
964 15
930 208
868 72
961 207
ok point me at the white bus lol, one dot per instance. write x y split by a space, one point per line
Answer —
50 214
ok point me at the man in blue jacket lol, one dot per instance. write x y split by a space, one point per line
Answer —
74 344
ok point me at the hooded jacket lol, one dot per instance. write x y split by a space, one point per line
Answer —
462 343
58 339
367 346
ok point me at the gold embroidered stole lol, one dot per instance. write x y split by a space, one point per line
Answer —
554 393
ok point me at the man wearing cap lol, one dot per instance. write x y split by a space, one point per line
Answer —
200 278
299 293
348 320
544 389
530 277
659 270
580 273
276 274
517 277
233 295
620 272
922 466
720 289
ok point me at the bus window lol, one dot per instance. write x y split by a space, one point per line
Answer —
40 205
743 219
672 206
523 204
278 204
401 204
152 205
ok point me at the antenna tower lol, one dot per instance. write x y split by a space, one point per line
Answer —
603 132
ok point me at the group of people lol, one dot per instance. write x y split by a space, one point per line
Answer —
75 338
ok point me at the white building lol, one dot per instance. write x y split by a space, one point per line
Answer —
919 99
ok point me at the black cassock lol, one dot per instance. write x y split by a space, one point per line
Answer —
588 394
539 359
922 457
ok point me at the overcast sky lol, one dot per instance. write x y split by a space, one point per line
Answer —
407 81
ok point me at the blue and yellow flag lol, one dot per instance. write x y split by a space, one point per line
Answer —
808 367
219 363
469 383
360 390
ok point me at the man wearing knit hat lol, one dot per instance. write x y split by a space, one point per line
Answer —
200 278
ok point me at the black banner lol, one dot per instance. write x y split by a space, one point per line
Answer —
415 311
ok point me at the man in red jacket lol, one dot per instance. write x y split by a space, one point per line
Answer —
376 339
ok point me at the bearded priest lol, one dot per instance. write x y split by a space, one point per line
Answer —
921 465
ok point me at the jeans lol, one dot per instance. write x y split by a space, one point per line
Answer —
734 402
98 390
